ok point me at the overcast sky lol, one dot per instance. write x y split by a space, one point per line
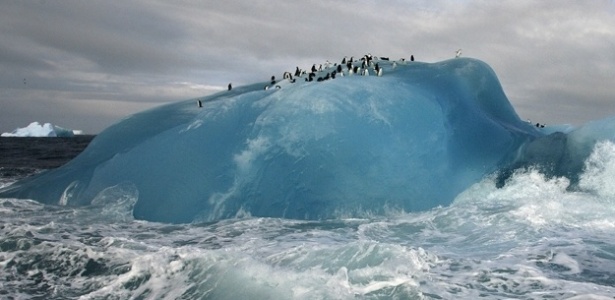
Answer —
87 64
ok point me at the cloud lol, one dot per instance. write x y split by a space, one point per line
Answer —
555 59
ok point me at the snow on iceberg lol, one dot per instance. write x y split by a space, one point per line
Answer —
410 139
35 129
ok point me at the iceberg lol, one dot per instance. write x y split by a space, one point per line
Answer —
35 129
411 139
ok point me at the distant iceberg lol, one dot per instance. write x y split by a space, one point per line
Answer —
35 129
317 146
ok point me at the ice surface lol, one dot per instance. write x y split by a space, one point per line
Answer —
411 139
35 129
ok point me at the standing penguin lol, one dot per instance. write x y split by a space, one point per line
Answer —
230 86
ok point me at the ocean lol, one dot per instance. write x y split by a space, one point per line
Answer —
531 239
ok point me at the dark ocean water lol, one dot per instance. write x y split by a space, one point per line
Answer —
532 239
24 156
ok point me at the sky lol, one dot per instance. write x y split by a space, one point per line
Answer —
86 65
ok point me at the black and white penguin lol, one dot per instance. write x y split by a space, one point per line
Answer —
314 68
457 53
288 76
230 86
272 79
368 58
411 57
199 103
297 72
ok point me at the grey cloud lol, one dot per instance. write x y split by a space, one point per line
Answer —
555 59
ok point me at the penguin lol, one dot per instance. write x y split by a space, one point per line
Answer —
365 72
457 53
379 72
288 76
297 72
230 86
314 68
272 79
394 65
199 103
411 57
344 60
277 87
266 87
339 68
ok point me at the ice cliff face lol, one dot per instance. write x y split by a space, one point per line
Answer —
410 139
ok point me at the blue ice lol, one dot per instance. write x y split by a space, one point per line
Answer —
411 139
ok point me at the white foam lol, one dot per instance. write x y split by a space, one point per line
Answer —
599 172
